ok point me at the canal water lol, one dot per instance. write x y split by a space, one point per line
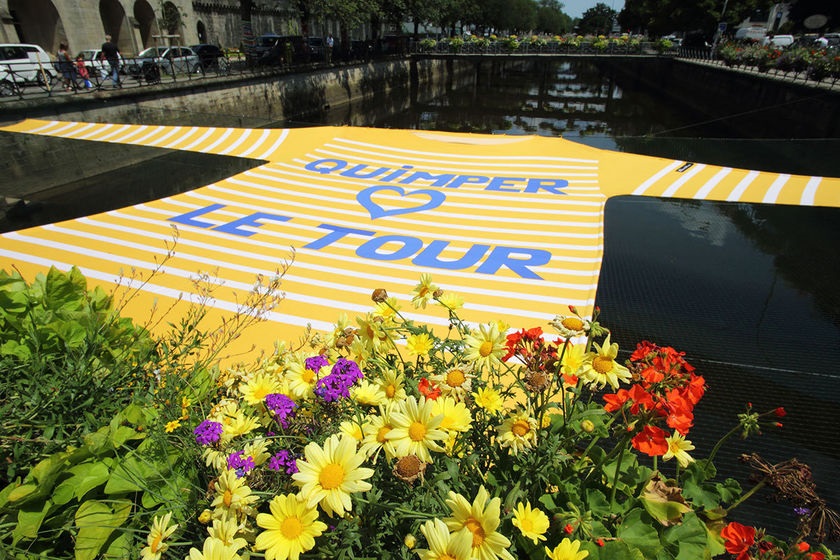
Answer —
748 291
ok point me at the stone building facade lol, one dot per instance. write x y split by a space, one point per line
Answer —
137 24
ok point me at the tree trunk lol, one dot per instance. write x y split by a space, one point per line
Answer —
245 8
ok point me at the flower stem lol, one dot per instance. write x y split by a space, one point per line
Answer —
746 496
615 478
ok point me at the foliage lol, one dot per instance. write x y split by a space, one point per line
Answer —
383 435
69 362
597 20
814 65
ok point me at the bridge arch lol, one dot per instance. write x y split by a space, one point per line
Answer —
38 22
147 23
115 24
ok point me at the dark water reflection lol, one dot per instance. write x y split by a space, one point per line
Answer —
748 291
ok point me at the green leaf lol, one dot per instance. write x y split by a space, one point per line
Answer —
29 519
690 538
88 476
618 550
22 491
637 530
597 503
96 522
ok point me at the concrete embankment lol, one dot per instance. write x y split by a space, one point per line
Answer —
35 164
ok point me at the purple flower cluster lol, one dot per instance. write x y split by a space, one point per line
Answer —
282 406
337 384
208 432
315 363
239 463
283 460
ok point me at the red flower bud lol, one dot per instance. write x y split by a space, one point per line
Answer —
779 424
780 412
568 529
599 542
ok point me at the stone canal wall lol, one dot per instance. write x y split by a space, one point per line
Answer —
33 164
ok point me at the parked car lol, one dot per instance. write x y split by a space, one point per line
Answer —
283 47
316 47
22 63
210 56
166 59
781 41
95 63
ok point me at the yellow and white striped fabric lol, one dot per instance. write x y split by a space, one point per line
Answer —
514 224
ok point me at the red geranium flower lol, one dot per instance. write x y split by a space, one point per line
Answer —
651 441
428 389
738 539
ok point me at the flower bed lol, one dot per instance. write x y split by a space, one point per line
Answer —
386 439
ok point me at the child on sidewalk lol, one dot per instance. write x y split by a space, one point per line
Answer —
82 71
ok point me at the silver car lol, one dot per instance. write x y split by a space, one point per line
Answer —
181 59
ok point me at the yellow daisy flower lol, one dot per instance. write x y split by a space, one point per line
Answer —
533 522
489 399
373 331
416 429
419 344
367 393
290 528
679 447
352 429
451 301
375 430
456 381
601 368
518 432
225 530
444 545
393 385
214 549
485 347
573 359
160 531
456 415
301 380
570 326
172 426
566 550
387 309
258 451
480 519
233 496
423 292
234 422
331 473
260 386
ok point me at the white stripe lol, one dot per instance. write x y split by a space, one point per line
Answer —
237 143
445 165
265 134
438 154
138 130
712 183
772 193
332 272
180 139
82 129
278 200
739 189
233 307
810 191
207 133
173 130
553 199
434 228
58 131
44 128
682 180
143 139
101 128
227 132
644 186
113 133
274 146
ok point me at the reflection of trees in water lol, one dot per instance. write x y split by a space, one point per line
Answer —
802 241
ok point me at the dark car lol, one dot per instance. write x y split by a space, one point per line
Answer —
211 57
286 49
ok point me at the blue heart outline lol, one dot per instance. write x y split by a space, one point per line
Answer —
436 198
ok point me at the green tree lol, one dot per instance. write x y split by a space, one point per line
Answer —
597 20
551 18
660 17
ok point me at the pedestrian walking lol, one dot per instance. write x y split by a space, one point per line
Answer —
330 45
111 53
65 66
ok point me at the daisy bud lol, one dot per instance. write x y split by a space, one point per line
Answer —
410 541
437 293
379 295
205 517
587 426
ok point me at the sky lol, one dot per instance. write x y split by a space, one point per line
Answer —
575 8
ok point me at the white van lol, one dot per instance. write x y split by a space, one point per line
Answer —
22 63
781 41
